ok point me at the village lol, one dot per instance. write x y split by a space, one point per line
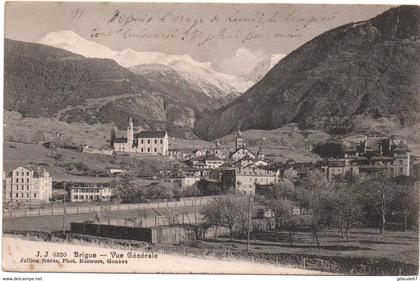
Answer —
220 192
215 171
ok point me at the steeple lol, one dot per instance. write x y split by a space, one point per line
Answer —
260 154
130 132
239 140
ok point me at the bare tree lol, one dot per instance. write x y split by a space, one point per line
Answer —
347 208
112 138
379 193
313 193
407 199
212 215
283 212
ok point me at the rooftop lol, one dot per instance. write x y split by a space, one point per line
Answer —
150 134
120 140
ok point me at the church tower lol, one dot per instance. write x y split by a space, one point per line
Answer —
239 140
130 133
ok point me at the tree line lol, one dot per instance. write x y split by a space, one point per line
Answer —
314 204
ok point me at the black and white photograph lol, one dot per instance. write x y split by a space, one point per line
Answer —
211 138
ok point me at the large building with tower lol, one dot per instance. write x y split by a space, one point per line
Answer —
147 142
372 156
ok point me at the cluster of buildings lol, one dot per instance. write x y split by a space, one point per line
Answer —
32 184
370 156
239 169
244 171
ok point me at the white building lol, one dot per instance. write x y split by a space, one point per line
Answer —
147 142
241 153
28 184
183 178
90 192
246 179
213 162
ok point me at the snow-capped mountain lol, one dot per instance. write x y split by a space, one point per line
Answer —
186 64
73 42
179 83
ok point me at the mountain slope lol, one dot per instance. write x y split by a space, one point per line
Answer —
42 81
368 68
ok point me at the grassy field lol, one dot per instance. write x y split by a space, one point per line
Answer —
367 252
366 242
16 154
23 129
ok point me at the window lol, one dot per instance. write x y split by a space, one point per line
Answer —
155 149
142 141
75 197
155 141
34 195
27 173
148 141
27 180
17 195
148 149
27 195
161 141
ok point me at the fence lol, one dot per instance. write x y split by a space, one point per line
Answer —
149 221
106 207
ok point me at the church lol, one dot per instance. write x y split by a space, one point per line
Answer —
147 142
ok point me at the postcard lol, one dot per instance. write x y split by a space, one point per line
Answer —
214 138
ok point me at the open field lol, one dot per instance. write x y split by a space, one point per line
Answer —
26 130
367 253
395 245
17 154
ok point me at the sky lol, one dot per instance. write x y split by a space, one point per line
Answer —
223 34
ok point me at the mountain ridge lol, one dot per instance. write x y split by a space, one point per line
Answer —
367 68
43 81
